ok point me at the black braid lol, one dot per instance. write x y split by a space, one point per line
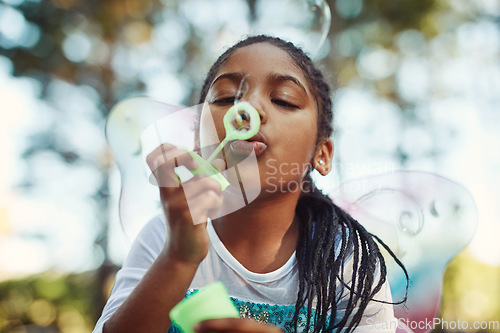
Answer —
328 235
322 256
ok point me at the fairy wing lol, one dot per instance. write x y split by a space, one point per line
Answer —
425 219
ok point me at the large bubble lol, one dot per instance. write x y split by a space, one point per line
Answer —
139 129
125 125
306 23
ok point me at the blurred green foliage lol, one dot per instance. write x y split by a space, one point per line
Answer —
49 303
471 290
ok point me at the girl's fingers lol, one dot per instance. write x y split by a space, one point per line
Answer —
219 164
162 162
194 201
167 153
194 209
204 206
203 197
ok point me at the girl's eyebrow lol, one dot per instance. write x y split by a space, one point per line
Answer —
281 78
235 77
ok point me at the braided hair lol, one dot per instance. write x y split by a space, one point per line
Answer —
328 236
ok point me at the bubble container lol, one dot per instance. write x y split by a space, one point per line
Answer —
212 302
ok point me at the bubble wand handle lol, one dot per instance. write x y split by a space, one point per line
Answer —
217 150
207 169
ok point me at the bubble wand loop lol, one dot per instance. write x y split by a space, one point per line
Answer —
241 122
236 120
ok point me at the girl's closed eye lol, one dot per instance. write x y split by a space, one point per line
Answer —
225 97
224 100
285 99
284 104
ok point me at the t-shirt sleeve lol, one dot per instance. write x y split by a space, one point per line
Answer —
143 252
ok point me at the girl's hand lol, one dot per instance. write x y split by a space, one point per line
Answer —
186 207
234 325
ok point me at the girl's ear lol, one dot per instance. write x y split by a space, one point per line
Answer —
322 160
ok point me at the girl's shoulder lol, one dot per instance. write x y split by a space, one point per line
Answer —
148 243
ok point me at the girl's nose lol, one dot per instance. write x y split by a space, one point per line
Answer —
256 102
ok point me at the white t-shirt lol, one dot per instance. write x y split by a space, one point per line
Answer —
271 292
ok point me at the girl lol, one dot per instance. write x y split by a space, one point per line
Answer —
291 259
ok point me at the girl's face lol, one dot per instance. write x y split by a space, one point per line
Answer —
277 88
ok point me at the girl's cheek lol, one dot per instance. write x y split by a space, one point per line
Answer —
211 129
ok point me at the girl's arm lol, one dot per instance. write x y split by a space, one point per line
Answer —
148 306
145 293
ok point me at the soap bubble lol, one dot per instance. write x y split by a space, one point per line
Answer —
126 122
220 24
137 127
306 23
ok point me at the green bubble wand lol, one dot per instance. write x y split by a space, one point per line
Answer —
241 121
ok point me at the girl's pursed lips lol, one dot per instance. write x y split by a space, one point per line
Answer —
255 143
258 137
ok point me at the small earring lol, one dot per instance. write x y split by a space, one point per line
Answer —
321 162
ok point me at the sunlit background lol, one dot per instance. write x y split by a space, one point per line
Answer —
417 87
